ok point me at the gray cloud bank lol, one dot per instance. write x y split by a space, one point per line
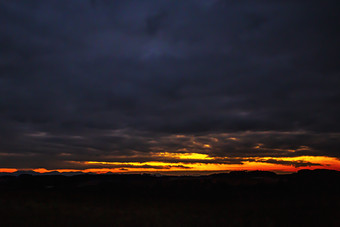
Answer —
118 80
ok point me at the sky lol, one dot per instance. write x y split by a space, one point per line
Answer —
169 85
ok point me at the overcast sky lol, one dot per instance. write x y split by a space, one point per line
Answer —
122 80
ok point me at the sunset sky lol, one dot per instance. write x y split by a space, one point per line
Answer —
169 85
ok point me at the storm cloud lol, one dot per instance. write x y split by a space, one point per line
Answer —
123 80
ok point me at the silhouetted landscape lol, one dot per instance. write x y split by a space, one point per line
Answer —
257 198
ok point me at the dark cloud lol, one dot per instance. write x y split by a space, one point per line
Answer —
292 163
154 23
118 80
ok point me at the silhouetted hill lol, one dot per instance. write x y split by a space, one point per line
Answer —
256 198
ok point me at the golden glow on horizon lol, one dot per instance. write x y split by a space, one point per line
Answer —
9 170
249 163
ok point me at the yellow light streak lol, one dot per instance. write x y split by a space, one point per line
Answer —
196 156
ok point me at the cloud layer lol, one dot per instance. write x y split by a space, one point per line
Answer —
124 80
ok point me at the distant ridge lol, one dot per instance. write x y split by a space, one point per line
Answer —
33 173
243 173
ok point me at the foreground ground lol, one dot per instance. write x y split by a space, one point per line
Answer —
307 198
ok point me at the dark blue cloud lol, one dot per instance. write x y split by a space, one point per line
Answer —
75 70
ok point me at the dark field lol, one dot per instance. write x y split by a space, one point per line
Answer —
306 198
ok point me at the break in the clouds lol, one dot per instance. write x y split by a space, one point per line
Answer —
127 81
